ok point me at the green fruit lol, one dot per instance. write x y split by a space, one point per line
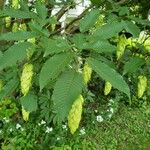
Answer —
32 40
8 21
75 113
26 78
15 4
23 27
25 114
15 27
87 72
107 88
142 85
121 45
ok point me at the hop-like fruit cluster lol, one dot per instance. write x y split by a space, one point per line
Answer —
142 85
75 113
15 27
25 114
26 78
23 27
121 46
8 21
15 4
107 88
87 72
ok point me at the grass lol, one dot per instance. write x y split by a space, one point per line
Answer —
129 129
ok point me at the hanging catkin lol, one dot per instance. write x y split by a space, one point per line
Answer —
87 72
107 88
121 45
25 114
142 84
75 113
26 78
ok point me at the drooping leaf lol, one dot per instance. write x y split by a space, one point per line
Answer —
132 28
41 10
54 46
102 46
9 88
79 40
140 21
89 20
17 36
67 89
110 75
109 30
15 53
29 102
38 30
53 67
133 65
15 13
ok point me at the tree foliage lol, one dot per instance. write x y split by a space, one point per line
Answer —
58 54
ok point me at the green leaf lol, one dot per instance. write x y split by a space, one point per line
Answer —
54 46
53 67
144 22
29 102
17 14
41 10
89 20
109 30
24 5
79 40
133 65
36 28
101 47
132 28
9 88
66 91
17 36
15 53
110 75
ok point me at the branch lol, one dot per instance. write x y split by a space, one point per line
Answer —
70 25
79 17
121 2
62 11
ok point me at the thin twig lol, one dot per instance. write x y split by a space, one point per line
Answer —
121 2
62 11
79 17
71 23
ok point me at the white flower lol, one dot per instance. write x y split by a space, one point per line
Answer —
82 131
7 2
96 110
64 126
6 120
111 101
112 110
58 139
110 115
43 122
18 126
48 130
99 118
10 129
22 129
